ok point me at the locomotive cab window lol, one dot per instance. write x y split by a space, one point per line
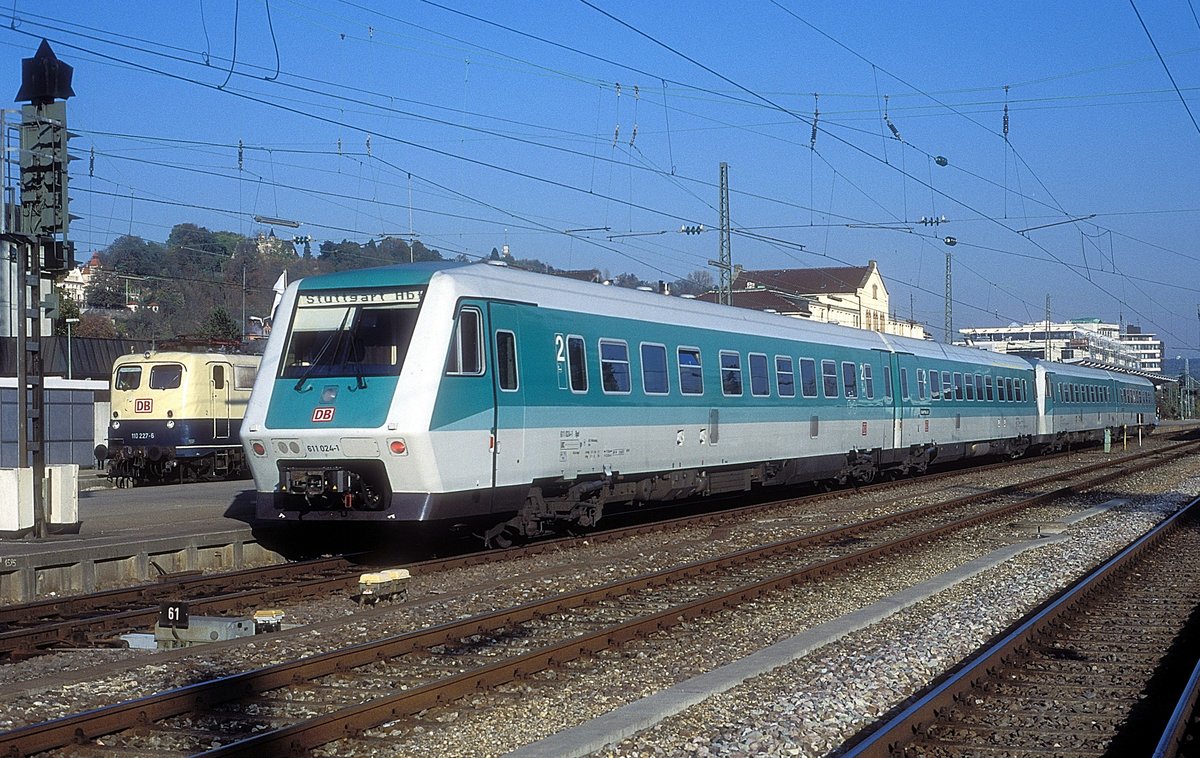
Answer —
367 333
466 347
218 377
243 377
166 376
128 378
506 360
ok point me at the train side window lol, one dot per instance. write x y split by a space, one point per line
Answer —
1001 396
691 374
904 384
808 377
935 385
218 377
970 382
868 382
887 383
1008 387
506 360
654 369
947 386
760 381
128 378
922 387
466 346
829 378
731 373
785 376
987 388
243 377
850 379
166 376
958 386
614 366
577 363
1024 389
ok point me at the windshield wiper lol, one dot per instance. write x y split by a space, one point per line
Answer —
329 341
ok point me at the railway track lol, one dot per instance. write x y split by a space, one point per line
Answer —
96 619
346 692
1098 670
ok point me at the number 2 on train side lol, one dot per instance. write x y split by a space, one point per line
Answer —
560 357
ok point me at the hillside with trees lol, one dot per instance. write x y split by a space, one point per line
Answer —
198 281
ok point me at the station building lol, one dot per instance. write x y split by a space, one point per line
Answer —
848 295
1085 340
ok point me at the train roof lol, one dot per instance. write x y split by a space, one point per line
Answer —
482 280
399 275
186 357
1065 370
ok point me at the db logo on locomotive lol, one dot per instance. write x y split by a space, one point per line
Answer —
322 414
143 405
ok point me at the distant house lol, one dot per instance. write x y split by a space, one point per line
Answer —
75 283
848 295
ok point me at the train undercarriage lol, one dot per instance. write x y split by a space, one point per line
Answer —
129 466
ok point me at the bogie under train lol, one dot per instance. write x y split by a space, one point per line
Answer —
522 403
176 416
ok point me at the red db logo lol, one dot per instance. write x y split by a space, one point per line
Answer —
322 414
143 405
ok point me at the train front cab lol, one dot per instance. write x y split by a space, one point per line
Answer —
176 415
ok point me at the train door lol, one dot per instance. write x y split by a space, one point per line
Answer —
508 388
893 398
220 377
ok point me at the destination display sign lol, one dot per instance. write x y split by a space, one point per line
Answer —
361 297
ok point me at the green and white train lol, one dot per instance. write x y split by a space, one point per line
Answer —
519 403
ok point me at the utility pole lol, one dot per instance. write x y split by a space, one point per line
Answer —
44 216
950 242
724 262
1047 350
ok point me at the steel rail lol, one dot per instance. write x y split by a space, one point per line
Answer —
76 620
889 738
82 727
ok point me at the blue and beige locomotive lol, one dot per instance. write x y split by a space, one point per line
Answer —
483 395
175 416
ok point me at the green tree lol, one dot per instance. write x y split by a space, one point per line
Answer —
220 325
105 290
67 308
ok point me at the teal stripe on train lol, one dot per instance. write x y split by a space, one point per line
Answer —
362 408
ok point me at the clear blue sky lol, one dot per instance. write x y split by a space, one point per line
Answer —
519 123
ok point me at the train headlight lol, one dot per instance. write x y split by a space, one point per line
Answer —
398 447
171 424
259 448
116 425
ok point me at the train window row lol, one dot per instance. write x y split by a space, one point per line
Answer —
1073 392
1136 396
934 384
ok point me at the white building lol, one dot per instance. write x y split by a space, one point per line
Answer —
1075 341
848 295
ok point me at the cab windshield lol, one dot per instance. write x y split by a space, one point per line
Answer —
342 338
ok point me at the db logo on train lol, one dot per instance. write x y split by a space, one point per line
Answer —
143 405
322 414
